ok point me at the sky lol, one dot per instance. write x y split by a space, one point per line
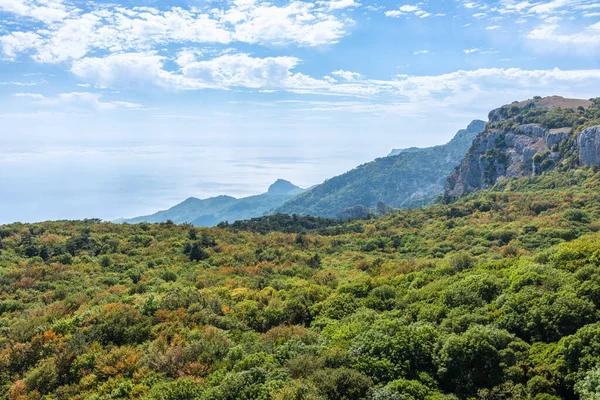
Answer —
118 109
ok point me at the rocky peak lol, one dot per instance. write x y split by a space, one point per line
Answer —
473 129
476 125
283 187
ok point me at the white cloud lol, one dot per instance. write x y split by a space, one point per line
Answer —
347 75
18 42
338 4
74 34
241 70
298 22
408 10
419 52
544 9
465 85
476 91
583 41
551 6
78 100
187 56
47 11
492 28
227 71
129 68
478 50
470 4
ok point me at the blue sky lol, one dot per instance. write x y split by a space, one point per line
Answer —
119 109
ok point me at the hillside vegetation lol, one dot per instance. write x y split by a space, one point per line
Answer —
494 296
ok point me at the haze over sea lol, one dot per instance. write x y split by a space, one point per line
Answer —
224 97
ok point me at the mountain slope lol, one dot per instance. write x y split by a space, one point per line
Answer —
527 138
412 178
211 211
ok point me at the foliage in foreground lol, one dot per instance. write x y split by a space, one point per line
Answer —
493 297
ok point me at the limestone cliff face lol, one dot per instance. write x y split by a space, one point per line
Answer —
497 154
507 149
588 146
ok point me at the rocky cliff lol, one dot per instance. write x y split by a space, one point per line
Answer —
528 138
588 144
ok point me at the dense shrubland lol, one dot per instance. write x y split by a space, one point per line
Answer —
495 296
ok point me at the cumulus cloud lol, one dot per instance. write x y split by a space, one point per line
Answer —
18 42
298 22
228 71
408 9
119 69
347 75
223 72
71 34
47 11
243 71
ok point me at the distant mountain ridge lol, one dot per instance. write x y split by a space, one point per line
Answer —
411 178
407 178
211 211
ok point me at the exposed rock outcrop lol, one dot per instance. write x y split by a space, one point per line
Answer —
508 148
588 145
497 154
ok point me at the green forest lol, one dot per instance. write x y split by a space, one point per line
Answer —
493 296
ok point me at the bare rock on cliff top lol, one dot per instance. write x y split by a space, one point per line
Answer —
553 101
505 111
